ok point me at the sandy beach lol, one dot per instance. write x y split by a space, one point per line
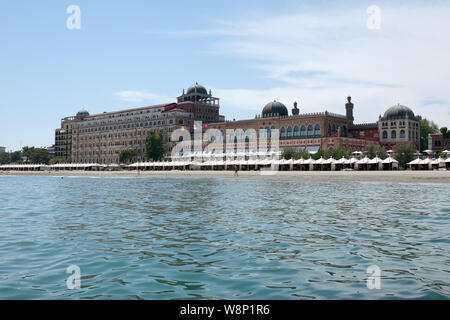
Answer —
391 176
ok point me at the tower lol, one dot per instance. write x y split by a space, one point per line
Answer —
349 109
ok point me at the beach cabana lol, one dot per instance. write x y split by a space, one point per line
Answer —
317 165
362 164
414 165
425 164
329 164
438 163
308 164
375 164
298 164
390 164
340 164
351 163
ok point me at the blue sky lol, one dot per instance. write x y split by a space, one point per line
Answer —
138 53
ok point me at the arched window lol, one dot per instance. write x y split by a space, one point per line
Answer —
267 132
283 133
385 135
262 133
402 134
271 130
303 132
394 134
310 131
289 132
329 129
296 131
334 129
247 139
317 131
344 131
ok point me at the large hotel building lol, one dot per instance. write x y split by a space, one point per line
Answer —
100 138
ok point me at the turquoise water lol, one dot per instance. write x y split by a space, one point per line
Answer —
222 238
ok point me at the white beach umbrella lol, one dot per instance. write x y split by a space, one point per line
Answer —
320 161
364 160
389 160
375 160
342 160
416 161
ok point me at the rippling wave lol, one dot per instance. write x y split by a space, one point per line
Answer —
222 238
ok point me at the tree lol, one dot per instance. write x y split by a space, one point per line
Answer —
404 153
445 133
5 158
336 154
154 148
57 160
16 156
319 154
288 153
426 127
39 156
374 150
126 156
26 151
301 154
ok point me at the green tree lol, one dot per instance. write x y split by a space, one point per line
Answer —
126 156
39 156
336 154
445 132
404 153
57 160
16 156
426 127
373 150
5 158
301 154
288 153
26 151
154 147
318 155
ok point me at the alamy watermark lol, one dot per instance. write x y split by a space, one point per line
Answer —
73 22
374 280
374 20
73 282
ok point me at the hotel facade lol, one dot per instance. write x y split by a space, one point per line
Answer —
100 138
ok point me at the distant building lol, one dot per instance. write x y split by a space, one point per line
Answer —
438 143
2 150
51 150
100 138
309 131
399 125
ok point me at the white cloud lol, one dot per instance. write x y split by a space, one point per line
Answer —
143 96
321 56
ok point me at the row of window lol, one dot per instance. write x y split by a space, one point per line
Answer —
400 123
300 132
130 126
402 134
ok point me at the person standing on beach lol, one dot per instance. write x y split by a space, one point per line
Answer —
236 171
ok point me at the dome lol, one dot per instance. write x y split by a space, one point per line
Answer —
274 108
83 113
398 112
196 88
